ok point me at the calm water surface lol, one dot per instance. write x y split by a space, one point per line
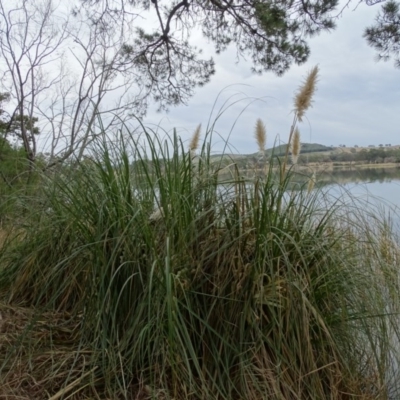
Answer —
377 189
383 183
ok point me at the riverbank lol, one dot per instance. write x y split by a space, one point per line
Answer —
346 165
308 170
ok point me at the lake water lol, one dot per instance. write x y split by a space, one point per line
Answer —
383 183
375 188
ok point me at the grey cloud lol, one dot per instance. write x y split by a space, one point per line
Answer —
357 101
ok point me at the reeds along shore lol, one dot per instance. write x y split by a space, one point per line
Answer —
138 276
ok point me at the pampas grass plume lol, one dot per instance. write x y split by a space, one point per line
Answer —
303 98
194 141
295 146
260 134
311 182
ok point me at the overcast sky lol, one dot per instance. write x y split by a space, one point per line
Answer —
357 99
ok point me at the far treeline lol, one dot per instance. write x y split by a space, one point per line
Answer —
365 155
312 153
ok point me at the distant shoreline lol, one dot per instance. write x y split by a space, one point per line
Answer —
326 167
346 166
316 157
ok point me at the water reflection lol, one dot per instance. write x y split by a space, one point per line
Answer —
379 186
375 189
366 175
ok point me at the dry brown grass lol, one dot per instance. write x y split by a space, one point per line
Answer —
42 357
9 233
3 235
33 347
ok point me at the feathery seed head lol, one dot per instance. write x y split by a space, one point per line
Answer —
194 141
311 183
295 146
260 134
303 99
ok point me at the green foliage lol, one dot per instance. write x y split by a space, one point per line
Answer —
17 178
272 34
3 123
22 129
13 164
138 273
153 279
14 126
385 35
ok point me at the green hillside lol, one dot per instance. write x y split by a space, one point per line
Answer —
276 151
305 148
280 151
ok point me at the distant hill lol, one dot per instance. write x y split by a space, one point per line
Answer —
314 153
279 151
305 148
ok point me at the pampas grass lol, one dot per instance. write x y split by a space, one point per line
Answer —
229 290
311 182
302 102
260 134
194 141
295 146
303 98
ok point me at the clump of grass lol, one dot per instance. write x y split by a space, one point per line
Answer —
234 290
